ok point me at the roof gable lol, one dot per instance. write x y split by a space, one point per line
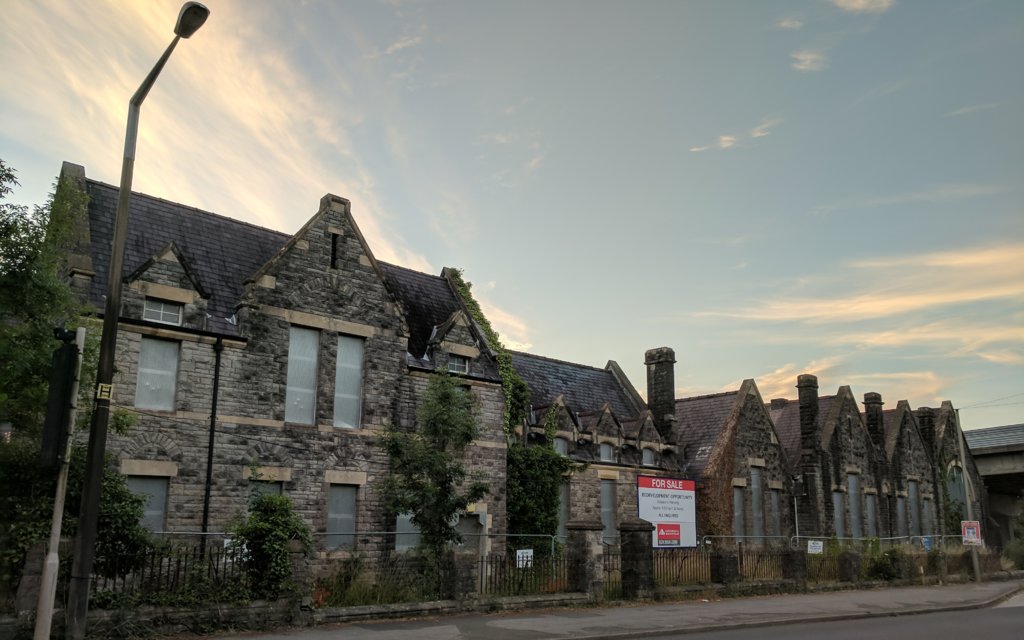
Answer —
170 253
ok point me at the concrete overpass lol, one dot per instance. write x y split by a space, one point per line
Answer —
999 454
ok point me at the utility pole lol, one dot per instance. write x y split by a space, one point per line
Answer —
969 498
48 588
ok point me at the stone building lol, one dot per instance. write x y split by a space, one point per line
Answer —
599 419
955 473
840 487
727 442
912 504
280 359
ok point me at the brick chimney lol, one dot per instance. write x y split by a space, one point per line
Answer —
661 388
779 403
807 388
873 415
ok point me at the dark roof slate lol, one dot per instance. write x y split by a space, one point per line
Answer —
221 251
428 301
1005 436
891 423
700 421
786 418
583 388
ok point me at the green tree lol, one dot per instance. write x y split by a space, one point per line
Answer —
428 479
34 297
263 537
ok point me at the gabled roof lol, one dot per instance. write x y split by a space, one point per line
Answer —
427 301
584 388
785 415
220 251
892 421
173 249
700 421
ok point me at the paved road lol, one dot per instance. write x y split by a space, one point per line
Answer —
688 617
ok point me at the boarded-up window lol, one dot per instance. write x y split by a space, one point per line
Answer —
776 498
561 446
738 507
154 490
563 510
607 452
901 516
872 511
853 490
838 514
158 374
407 534
341 515
300 399
608 510
648 457
756 505
915 507
348 382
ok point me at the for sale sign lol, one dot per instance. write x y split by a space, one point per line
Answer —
670 505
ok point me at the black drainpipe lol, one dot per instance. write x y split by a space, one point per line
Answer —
217 348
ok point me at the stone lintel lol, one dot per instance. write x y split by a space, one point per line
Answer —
739 482
157 468
337 476
756 462
319 321
164 292
268 474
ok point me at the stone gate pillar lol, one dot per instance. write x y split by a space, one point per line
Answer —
585 555
637 558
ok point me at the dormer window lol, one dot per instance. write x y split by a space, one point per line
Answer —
458 364
648 457
561 446
162 312
607 452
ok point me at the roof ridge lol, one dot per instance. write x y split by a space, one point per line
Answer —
708 395
549 359
193 209
409 269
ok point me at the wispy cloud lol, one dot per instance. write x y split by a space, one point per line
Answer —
403 43
731 141
765 127
521 154
781 382
890 287
935 194
513 330
974 108
864 6
789 23
808 60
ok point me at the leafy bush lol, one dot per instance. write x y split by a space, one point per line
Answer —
888 565
1014 551
262 539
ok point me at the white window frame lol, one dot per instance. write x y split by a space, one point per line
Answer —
348 399
609 500
156 388
300 400
163 312
648 457
458 364
607 452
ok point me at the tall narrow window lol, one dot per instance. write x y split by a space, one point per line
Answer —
608 510
607 452
928 528
154 490
158 374
341 515
853 491
776 502
839 514
407 534
348 382
334 251
738 508
901 516
563 510
915 507
300 400
756 505
871 500
163 312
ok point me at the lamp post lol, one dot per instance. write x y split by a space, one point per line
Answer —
191 17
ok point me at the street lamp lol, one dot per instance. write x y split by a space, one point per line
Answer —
191 17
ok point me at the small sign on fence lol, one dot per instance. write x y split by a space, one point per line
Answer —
815 546
970 531
926 542
524 558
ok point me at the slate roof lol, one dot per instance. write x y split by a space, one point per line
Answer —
786 419
222 252
891 423
583 388
1011 435
700 420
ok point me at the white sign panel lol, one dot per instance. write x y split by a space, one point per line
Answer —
815 546
670 504
524 558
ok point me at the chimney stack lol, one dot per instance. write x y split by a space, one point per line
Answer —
661 388
807 388
873 415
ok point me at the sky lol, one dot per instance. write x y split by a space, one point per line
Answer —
769 188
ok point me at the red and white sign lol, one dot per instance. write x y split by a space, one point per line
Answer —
670 504
970 531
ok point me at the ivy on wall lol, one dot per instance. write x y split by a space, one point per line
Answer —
514 389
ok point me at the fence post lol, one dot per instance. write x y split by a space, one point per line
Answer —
637 558
585 555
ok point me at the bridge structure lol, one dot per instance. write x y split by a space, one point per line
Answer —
999 454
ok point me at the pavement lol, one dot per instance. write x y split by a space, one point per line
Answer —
646 620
